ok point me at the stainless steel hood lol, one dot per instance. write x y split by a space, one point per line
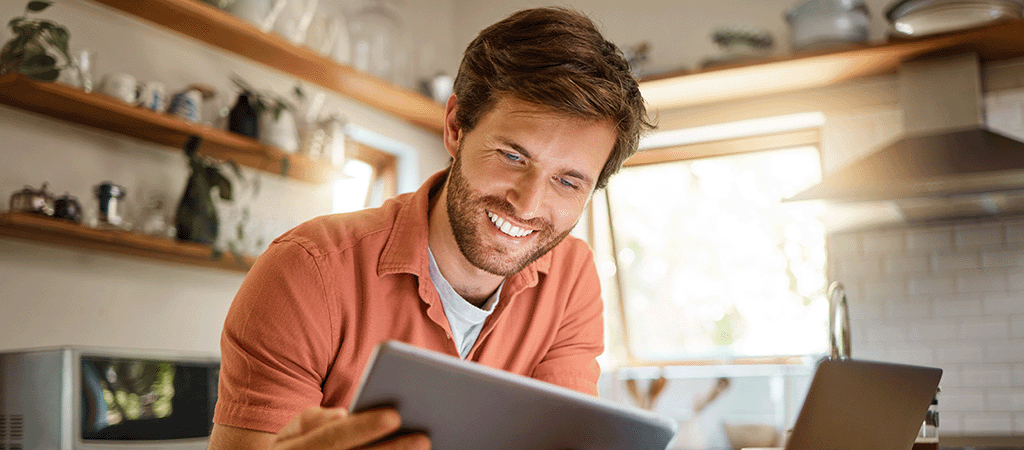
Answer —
948 164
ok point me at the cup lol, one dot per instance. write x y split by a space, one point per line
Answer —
152 95
121 86
111 207
186 104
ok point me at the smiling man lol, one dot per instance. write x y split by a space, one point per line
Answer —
477 263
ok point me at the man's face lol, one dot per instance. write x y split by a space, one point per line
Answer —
520 180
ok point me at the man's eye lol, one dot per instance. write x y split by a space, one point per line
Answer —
512 156
566 182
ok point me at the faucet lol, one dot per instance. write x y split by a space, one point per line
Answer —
839 345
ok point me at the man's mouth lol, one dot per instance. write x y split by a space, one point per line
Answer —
506 227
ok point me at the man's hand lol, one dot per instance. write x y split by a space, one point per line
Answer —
336 429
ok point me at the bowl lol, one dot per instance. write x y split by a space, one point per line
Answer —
747 435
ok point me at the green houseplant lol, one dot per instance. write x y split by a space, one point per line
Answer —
36 46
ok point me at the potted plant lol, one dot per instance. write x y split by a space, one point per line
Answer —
36 46
276 116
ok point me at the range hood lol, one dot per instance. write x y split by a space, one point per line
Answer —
948 165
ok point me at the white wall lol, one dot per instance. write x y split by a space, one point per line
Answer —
50 295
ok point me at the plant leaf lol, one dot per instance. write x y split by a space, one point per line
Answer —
39 61
220 181
38 5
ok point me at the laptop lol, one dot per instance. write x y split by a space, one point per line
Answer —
463 405
864 405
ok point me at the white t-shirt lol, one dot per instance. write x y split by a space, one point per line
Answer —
464 318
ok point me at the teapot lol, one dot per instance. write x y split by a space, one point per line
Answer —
34 201
67 207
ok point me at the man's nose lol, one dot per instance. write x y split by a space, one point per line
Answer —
527 195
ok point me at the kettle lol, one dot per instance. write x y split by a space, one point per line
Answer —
32 200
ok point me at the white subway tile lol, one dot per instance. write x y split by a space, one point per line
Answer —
844 245
1018 424
1006 400
961 399
929 238
995 304
950 423
858 268
964 305
1017 327
1008 259
1016 280
883 330
911 353
1017 375
911 307
993 280
930 285
985 328
891 242
932 330
950 377
1010 351
987 423
1014 231
899 264
979 235
986 376
960 353
949 262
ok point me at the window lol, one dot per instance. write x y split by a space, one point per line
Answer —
710 264
370 178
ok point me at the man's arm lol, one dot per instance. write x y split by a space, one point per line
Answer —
321 428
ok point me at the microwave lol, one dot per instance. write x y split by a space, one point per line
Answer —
90 398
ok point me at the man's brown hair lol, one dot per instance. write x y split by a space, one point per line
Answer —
557 58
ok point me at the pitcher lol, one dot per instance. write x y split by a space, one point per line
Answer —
261 13
294 21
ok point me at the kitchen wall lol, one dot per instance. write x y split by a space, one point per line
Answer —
51 295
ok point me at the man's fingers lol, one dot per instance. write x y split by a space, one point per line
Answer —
356 430
308 420
416 441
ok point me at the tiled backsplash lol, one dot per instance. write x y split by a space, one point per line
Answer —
946 295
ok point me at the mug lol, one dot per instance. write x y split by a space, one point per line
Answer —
121 86
152 95
186 104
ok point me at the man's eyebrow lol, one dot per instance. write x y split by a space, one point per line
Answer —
526 153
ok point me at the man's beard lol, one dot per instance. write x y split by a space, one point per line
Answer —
464 208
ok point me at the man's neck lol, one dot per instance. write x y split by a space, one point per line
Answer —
471 283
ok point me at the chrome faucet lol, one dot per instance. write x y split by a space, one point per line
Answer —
839 345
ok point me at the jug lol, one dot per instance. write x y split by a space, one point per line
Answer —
261 13
294 21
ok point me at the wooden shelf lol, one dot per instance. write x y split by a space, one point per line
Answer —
812 70
209 24
107 113
68 234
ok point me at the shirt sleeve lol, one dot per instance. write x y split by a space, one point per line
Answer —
571 361
275 346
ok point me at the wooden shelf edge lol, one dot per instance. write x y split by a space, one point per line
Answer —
209 24
1004 40
68 234
106 113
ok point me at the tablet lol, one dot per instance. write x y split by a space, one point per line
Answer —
467 406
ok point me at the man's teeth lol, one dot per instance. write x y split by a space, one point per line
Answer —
506 227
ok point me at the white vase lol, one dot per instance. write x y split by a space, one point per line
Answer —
279 132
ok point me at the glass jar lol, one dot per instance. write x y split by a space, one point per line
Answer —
376 35
928 437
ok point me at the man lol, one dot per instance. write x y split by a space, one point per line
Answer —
475 264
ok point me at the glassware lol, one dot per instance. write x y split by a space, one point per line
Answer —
928 437
375 32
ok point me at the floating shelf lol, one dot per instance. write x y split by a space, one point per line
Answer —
818 69
107 113
69 234
213 26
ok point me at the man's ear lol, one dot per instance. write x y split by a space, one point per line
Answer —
452 132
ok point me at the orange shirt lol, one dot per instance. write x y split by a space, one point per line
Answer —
308 315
